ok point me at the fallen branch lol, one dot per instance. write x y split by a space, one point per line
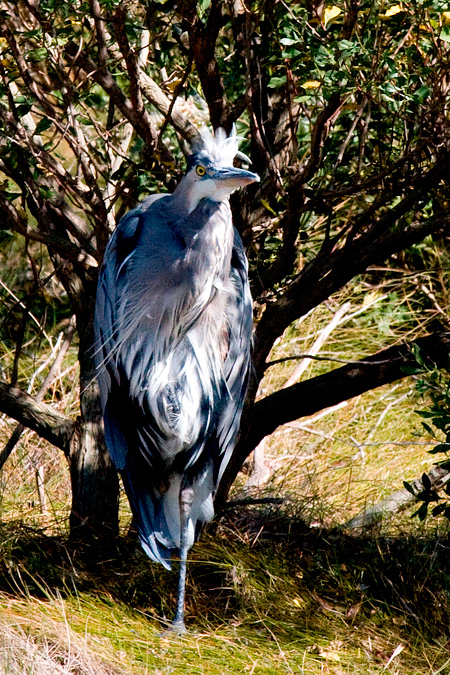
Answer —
399 500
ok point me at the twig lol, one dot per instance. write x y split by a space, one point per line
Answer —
323 337
260 471
350 134
385 412
253 502
308 397
45 363
176 93
40 484
30 314
100 31
104 78
318 133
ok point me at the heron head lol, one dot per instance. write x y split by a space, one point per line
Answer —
211 173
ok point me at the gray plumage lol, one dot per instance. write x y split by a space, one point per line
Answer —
173 327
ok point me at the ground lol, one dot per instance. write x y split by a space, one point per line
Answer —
282 585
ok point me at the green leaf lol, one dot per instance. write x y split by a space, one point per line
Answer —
428 428
445 33
426 482
442 447
42 126
437 510
409 487
277 82
23 109
267 206
37 55
421 94
202 6
423 511
272 243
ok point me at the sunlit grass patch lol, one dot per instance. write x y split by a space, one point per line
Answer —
312 603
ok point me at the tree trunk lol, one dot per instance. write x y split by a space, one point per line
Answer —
95 487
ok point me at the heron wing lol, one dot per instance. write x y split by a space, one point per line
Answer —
110 308
122 346
237 362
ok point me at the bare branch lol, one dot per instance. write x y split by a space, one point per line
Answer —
100 31
16 220
40 417
130 58
56 365
326 273
157 97
176 93
202 40
317 138
104 78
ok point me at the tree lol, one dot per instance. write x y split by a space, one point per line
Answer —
344 109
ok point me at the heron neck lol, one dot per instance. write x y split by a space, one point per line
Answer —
182 198
185 199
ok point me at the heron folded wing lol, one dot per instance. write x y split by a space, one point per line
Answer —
237 362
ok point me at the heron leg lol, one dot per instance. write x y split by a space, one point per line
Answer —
186 499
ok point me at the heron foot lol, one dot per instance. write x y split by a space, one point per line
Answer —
177 628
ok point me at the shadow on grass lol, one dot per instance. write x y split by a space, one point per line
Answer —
253 566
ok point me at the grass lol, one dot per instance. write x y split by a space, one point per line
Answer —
300 602
274 588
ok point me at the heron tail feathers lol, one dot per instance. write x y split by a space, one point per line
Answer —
157 515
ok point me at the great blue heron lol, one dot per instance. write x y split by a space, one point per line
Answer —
173 327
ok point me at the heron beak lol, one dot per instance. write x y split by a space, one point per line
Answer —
231 177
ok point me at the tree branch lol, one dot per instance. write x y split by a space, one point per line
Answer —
327 273
317 137
55 367
202 40
104 78
100 32
341 384
40 417
16 220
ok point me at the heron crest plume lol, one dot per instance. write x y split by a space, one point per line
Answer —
218 147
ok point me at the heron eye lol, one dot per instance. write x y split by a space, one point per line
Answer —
201 170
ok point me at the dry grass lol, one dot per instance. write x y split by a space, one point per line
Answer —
46 652
265 593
